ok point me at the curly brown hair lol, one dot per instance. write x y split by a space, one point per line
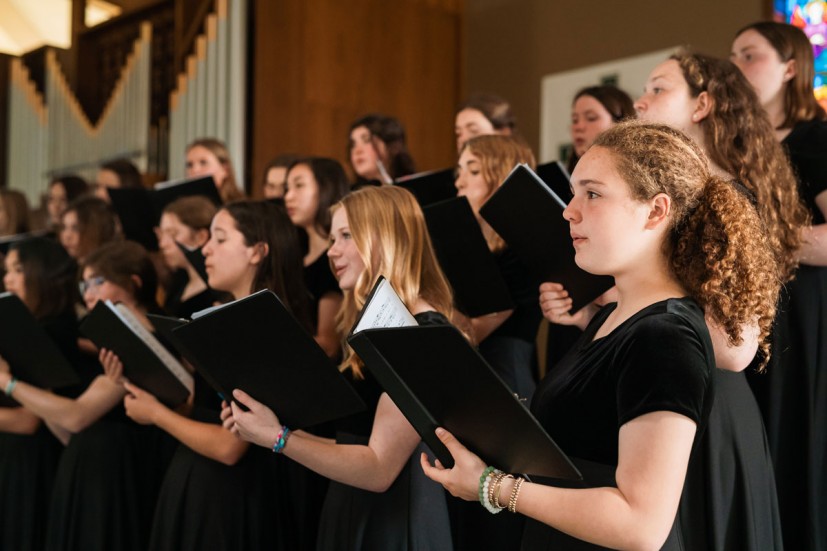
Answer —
717 246
740 140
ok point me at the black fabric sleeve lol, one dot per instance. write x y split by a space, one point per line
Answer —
661 366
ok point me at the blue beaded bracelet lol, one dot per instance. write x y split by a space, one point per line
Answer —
281 439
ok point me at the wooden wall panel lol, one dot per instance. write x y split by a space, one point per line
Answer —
319 64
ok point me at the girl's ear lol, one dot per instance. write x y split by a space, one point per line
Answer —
660 208
260 251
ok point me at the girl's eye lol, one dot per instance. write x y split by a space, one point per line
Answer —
592 195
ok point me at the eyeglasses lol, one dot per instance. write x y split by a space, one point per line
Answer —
91 283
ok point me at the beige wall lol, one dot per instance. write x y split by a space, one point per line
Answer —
509 45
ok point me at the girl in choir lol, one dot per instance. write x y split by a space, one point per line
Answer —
14 212
376 500
483 114
377 150
777 59
185 221
118 173
629 401
714 104
275 176
210 157
42 275
314 185
62 191
108 476
216 493
505 339
86 224
595 109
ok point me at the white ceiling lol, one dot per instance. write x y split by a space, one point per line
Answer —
28 24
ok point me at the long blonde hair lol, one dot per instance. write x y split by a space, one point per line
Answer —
389 231
498 155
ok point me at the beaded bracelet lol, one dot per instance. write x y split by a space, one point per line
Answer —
486 480
10 386
281 439
495 497
512 501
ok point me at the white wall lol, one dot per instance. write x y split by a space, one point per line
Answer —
557 91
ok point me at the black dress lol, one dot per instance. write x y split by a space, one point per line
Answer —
660 359
411 515
185 308
793 392
28 463
107 483
205 505
729 498
510 349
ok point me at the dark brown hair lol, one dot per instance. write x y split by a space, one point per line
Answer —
282 269
195 212
391 132
49 276
128 174
333 185
791 43
97 223
614 100
494 108
119 263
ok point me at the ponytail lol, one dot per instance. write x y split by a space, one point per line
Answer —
722 256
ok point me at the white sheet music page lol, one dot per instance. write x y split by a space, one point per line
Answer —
174 366
384 309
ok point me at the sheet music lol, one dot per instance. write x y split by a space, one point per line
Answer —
384 309
174 366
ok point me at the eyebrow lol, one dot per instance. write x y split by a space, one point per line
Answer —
587 181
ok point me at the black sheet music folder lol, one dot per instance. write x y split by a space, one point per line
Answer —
472 271
143 366
256 345
437 378
430 187
529 217
32 354
140 209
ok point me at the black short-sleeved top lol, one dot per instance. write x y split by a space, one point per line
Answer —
807 148
660 359
319 280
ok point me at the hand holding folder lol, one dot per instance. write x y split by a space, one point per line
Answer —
437 379
256 345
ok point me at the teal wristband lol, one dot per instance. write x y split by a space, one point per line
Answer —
10 386
281 439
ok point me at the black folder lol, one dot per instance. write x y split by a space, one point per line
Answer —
437 378
141 365
140 209
557 178
430 187
256 345
529 217
478 284
33 356
8 240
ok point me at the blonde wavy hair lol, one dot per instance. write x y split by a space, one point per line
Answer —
717 246
389 231
498 156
